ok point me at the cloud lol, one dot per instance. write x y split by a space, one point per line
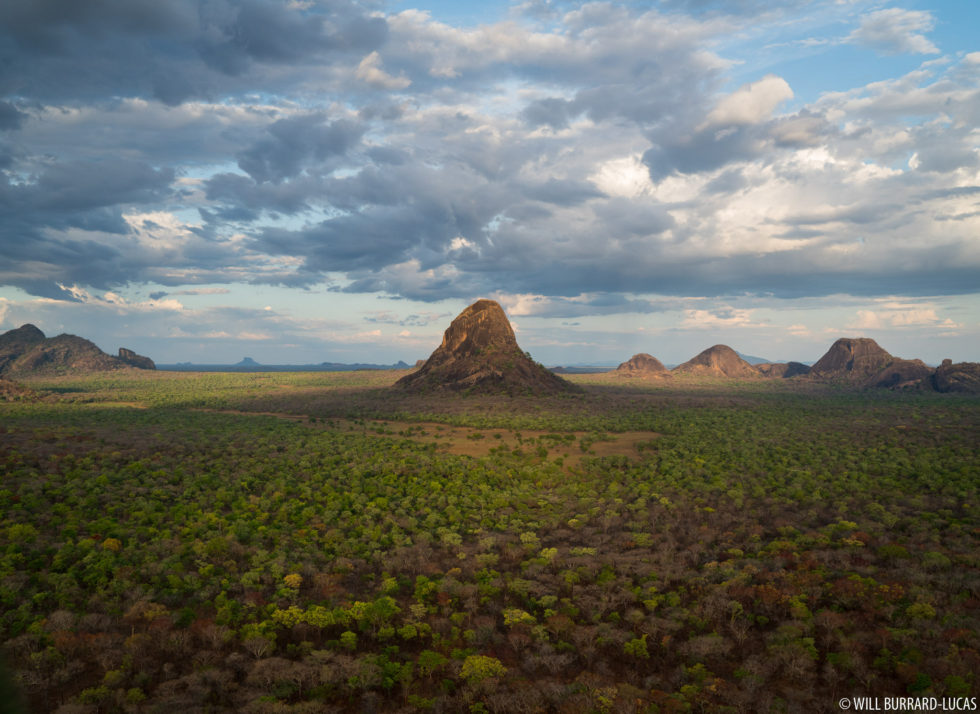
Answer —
892 314
177 50
297 142
719 318
896 31
750 103
597 159
422 319
11 118
369 71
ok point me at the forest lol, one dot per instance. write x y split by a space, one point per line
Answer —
316 542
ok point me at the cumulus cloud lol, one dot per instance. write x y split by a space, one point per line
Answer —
370 71
896 31
750 103
900 314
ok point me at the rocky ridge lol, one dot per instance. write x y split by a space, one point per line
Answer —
25 351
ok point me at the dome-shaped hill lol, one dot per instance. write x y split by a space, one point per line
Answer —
717 361
479 352
14 343
854 359
641 365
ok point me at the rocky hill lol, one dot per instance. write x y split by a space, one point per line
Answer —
852 359
862 361
15 343
960 377
26 351
479 352
717 361
642 365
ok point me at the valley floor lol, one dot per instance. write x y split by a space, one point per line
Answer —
309 542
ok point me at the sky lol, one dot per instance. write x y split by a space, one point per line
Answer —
300 181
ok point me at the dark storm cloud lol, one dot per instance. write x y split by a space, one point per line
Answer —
11 117
429 161
623 217
296 142
78 185
563 192
174 50
606 304
551 111
77 194
703 151
235 33
374 238
243 199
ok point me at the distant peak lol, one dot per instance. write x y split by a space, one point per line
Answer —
640 364
25 332
718 361
479 351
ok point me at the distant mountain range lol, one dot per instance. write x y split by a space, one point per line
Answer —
854 361
250 365
482 338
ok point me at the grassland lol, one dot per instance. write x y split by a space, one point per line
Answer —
308 542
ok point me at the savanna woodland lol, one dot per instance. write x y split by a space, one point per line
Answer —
319 542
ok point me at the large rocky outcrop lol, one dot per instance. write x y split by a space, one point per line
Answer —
959 377
642 365
862 362
852 359
26 351
479 352
717 361
135 360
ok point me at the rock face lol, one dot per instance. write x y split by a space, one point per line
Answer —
856 359
641 365
26 351
135 360
718 361
479 352
783 370
960 377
